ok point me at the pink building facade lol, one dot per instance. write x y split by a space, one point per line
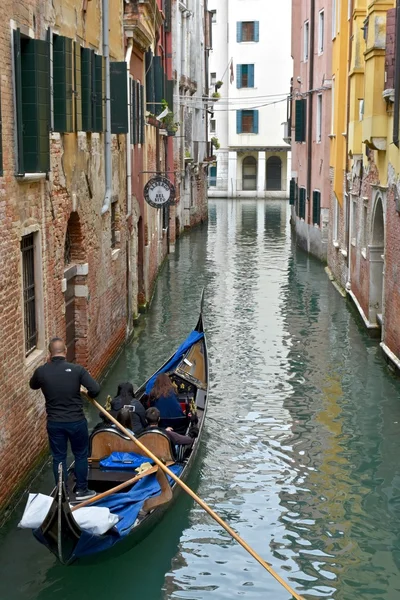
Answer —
310 122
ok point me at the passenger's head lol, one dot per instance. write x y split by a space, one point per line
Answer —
124 417
152 415
162 386
57 347
125 391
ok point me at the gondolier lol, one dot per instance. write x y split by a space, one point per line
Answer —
60 383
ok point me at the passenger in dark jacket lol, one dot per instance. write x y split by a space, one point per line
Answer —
164 398
61 383
126 397
153 419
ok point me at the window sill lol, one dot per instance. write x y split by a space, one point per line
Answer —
343 252
35 357
353 242
336 245
115 253
31 177
331 136
364 253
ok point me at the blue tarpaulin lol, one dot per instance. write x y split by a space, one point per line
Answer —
127 506
124 460
194 337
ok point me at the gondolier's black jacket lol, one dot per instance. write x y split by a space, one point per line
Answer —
60 382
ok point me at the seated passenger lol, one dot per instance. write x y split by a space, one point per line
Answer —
126 397
153 419
124 417
164 398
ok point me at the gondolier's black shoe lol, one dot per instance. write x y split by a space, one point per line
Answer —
84 494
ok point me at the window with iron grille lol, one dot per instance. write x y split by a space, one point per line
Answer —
113 224
28 282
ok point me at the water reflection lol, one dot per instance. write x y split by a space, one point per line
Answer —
302 436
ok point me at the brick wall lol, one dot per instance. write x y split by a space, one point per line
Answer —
392 276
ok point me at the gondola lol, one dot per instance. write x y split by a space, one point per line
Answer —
140 506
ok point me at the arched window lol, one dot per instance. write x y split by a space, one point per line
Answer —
274 173
249 173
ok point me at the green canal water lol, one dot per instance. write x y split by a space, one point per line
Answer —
302 442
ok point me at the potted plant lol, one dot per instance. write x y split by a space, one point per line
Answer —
168 122
218 85
215 143
216 95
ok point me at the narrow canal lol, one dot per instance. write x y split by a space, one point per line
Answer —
302 443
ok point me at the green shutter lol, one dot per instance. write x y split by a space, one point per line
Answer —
250 76
18 101
133 123
98 96
35 77
62 84
150 95
238 31
167 13
142 116
119 97
78 86
256 31
238 121
300 124
170 95
239 76
158 84
87 56
302 203
255 121
292 192
316 207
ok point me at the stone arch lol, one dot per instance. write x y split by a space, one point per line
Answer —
249 173
274 173
75 291
376 261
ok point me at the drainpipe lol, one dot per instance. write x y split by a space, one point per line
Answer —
107 135
128 136
348 203
310 106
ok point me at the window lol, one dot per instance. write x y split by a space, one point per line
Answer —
93 89
119 97
249 173
32 104
247 121
62 84
306 40
212 177
113 224
321 31
213 78
137 113
292 191
302 203
245 76
319 118
247 31
361 109
28 283
316 207
353 217
274 173
334 11
213 126
300 123
213 16
349 9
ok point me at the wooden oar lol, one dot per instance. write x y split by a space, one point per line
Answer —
117 488
199 501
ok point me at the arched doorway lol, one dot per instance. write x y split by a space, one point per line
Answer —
249 173
274 173
376 263
74 254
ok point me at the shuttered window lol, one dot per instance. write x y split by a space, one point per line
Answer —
142 115
62 84
292 191
300 120
245 76
247 121
87 56
133 113
302 203
119 97
158 84
247 31
99 94
316 207
77 96
150 92
32 93
29 295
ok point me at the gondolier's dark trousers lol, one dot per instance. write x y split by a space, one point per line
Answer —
77 433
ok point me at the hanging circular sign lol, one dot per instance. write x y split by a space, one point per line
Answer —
159 191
